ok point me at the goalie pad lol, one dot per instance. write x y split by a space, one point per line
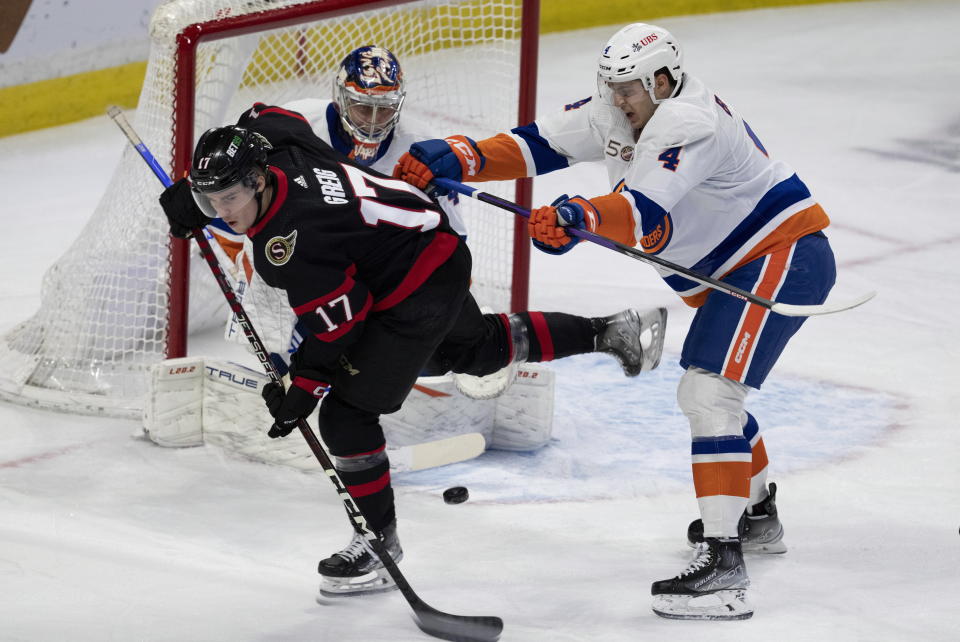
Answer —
195 401
172 413
524 417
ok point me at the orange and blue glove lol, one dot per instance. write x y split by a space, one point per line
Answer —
547 224
455 157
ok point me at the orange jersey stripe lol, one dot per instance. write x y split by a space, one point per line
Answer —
730 478
230 248
616 218
806 221
504 160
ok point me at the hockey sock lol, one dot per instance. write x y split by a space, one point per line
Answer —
758 470
554 335
721 478
367 478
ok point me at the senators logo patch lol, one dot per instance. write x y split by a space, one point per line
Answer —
279 249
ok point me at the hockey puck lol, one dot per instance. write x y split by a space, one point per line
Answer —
456 495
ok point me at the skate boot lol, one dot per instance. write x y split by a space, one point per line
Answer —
760 530
356 570
713 587
634 338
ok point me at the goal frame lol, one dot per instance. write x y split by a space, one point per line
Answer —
189 39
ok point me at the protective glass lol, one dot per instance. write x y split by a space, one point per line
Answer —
226 201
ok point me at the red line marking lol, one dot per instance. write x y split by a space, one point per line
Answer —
16 463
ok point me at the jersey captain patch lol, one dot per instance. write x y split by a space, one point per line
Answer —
279 249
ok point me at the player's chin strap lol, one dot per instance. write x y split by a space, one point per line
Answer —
785 309
270 181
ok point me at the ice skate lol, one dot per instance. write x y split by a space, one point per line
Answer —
760 530
634 338
356 570
713 587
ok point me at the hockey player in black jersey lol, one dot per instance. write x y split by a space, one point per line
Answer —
372 267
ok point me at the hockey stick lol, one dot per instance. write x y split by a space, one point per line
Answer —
466 628
785 309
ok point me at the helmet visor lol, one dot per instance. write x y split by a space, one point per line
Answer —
610 90
231 200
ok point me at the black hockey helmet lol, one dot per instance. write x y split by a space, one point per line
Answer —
226 157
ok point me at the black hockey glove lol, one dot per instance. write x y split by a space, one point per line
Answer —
290 406
181 210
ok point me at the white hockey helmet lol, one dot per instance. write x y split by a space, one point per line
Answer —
638 52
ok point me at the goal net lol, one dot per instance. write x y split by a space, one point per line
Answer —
113 304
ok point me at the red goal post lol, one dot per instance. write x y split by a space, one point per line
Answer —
235 25
121 298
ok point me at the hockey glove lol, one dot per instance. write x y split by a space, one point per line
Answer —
290 406
546 224
181 210
456 157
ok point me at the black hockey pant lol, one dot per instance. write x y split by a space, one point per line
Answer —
437 329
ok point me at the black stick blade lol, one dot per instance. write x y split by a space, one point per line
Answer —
457 628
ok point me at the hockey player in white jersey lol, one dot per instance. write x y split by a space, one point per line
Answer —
690 182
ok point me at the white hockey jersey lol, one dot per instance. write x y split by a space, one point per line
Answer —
703 191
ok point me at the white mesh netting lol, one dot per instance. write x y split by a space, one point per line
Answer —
103 314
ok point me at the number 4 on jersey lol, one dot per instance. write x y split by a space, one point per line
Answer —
670 158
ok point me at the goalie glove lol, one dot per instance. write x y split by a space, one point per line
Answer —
288 407
182 212
547 224
456 157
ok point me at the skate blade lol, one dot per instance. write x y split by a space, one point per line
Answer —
769 548
378 581
652 328
730 604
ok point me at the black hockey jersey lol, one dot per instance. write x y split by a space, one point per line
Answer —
342 240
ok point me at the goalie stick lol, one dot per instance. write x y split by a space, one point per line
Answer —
785 309
446 626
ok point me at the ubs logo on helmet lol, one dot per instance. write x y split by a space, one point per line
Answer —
637 46
279 249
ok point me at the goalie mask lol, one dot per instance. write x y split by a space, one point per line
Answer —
226 165
368 91
638 52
